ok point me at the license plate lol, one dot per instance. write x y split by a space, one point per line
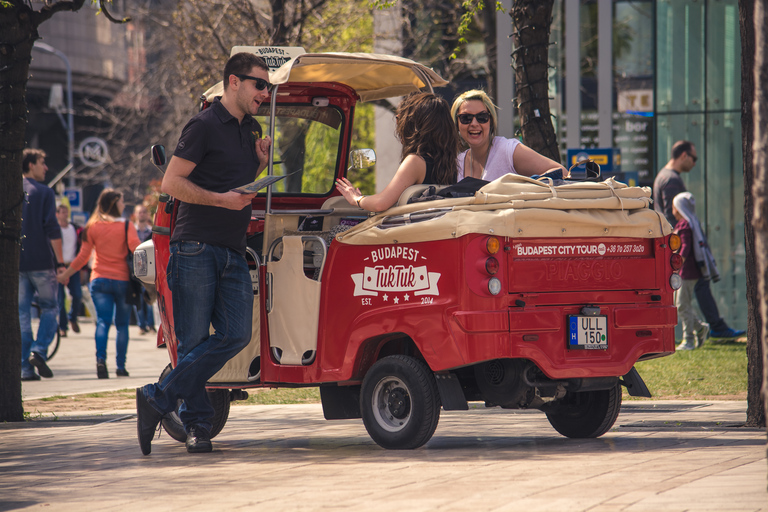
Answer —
588 332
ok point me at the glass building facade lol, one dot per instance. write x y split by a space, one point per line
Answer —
698 98
676 75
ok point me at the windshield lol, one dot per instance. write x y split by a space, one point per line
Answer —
306 141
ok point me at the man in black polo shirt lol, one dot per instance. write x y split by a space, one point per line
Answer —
219 149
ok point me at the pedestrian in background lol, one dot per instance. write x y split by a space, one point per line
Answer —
666 186
144 313
110 238
40 260
696 255
70 244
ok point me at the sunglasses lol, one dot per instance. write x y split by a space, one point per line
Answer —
261 84
482 118
694 157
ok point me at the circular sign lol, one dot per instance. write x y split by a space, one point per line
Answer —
93 152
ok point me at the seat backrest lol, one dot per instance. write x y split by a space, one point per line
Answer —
415 191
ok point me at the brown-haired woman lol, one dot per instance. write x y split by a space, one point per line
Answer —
105 235
430 146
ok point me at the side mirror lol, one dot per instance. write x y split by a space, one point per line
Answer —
362 158
158 155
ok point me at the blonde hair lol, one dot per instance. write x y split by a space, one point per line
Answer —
479 95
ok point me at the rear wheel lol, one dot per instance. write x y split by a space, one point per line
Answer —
399 403
586 414
219 400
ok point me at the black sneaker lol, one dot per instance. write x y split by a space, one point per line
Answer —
147 419
198 440
101 369
122 372
75 326
31 376
38 362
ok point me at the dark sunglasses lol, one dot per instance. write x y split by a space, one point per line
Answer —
694 157
261 84
482 118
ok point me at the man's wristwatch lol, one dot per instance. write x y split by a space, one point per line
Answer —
61 265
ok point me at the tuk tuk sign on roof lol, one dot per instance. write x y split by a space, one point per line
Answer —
274 56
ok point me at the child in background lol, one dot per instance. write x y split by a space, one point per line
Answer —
697 262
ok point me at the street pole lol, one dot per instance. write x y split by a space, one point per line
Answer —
70 124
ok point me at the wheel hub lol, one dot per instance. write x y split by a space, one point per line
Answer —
398 403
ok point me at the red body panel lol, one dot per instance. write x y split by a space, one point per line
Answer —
436 296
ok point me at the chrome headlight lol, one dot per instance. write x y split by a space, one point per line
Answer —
144 262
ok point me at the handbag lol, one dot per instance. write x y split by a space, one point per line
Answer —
133 294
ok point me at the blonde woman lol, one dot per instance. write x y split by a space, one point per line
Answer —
487 156
105 235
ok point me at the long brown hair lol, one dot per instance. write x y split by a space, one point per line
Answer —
425 128
106 209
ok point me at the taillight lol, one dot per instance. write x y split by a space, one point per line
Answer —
492 265
676 261
494 285
675 281
674 242
492 245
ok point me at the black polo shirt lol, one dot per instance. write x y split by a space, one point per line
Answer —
225 153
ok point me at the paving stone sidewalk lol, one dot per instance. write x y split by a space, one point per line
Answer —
660 456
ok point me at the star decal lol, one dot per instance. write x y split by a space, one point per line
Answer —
406 298
396 300
386 298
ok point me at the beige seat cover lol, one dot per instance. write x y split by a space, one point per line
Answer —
519 207
295 304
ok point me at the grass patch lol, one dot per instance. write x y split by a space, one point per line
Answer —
709 371
281 396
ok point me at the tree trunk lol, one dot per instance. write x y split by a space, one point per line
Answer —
755 410
18 34
759 186
531 21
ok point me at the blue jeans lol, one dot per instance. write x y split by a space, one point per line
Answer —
109 299
708 305
44 283
145 316
210 286
77 299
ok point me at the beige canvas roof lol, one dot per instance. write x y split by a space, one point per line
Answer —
520 207
372 76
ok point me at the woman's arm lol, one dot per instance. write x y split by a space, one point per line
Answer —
412 171
528 162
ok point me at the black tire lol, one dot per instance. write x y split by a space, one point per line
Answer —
54 346
400 403
219 400
586 414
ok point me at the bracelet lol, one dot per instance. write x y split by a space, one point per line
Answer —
358 201
61 265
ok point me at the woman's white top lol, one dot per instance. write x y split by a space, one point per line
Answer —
499 160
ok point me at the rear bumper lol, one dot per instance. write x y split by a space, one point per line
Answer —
539 334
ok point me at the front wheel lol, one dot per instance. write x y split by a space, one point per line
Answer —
219 400
586 414
400 403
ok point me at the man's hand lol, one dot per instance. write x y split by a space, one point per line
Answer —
60 277
235 200
262 151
